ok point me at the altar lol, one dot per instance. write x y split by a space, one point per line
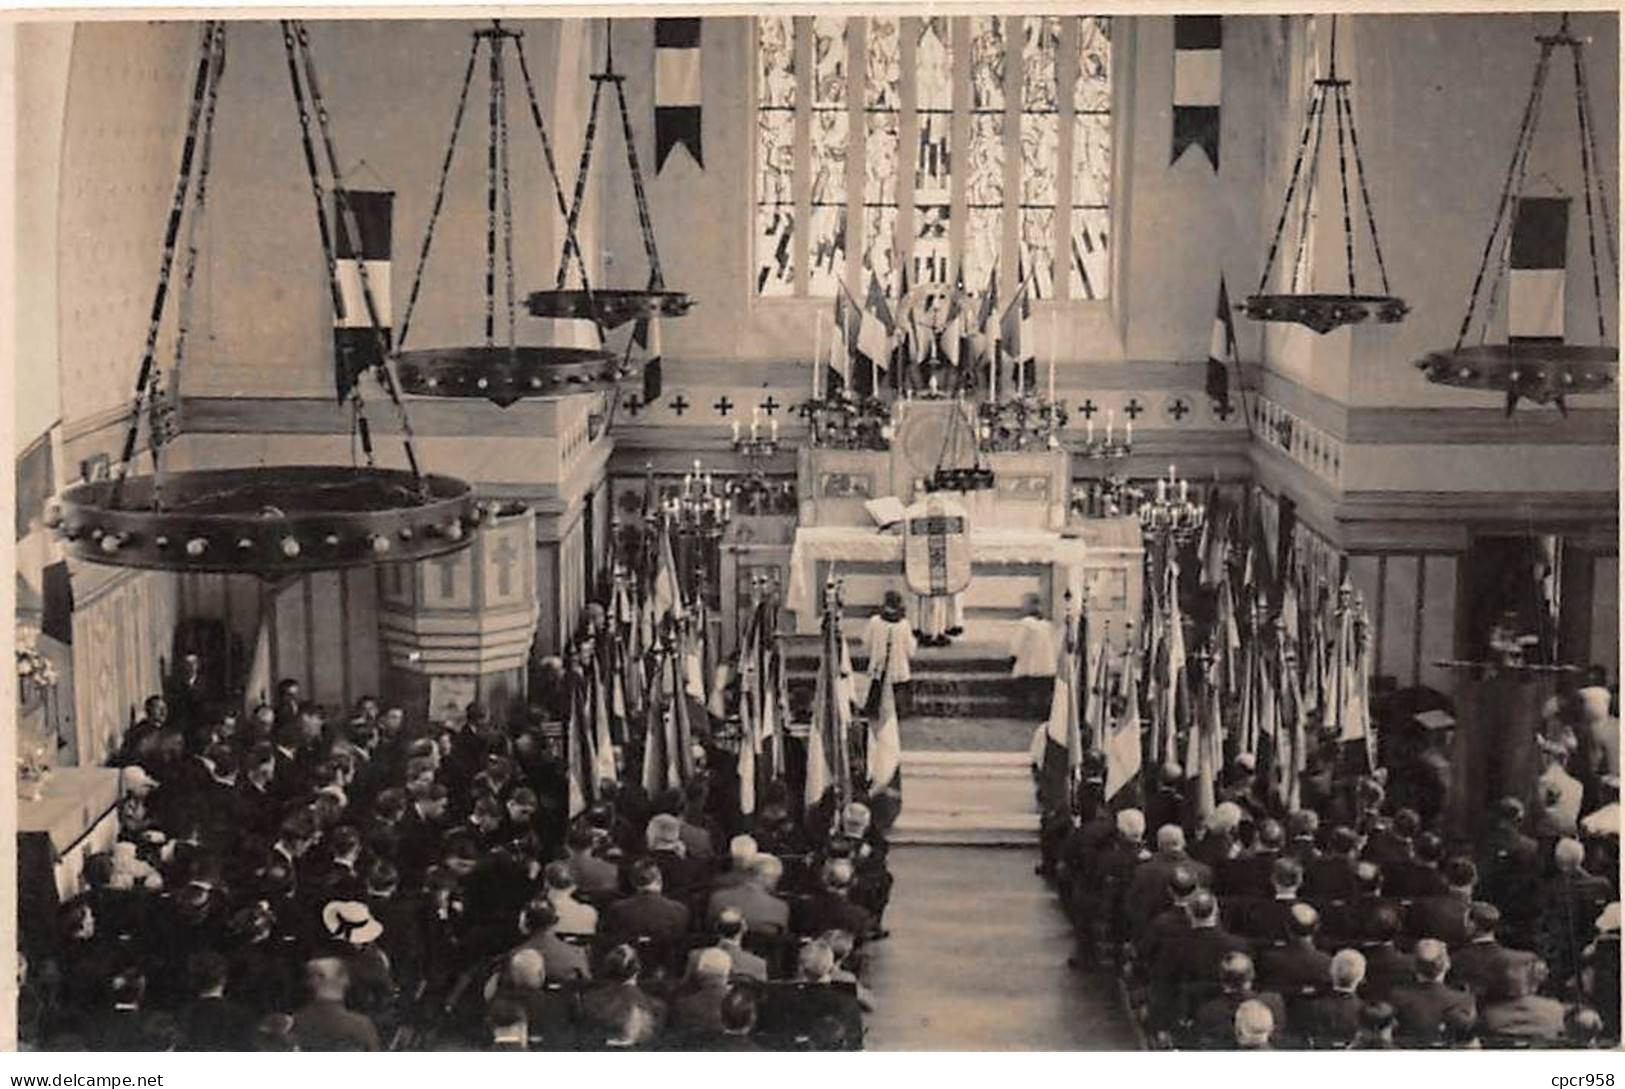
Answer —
1099 558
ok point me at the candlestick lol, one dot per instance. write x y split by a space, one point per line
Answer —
1184 491
1091 427
773 428
818 344
1111 415
1162 490
736 430
993 375
1128 433
1054 350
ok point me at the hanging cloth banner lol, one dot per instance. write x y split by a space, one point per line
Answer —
355 345
677 89
1198 68
1540 242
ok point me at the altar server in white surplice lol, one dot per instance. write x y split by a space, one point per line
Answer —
890 642
1033 649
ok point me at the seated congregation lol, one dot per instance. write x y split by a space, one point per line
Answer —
1348 921
362 882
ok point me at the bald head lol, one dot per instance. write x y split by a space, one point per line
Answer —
766 869
1348 970
816 961
1131 825
1170 839
528 969
1432 959
1255 1024
1568 855
712 966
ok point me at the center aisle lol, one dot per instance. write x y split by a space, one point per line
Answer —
977 961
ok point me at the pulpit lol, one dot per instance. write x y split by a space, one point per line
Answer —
459 628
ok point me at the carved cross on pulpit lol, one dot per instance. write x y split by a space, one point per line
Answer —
448 575
504 555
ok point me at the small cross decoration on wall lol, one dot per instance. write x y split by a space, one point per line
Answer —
1223 410
1177 408
1088 408
770 406
632 403
722 405
679 404
1133 409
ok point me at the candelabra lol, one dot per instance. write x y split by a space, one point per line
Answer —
757 444
1171 513
1022 423
699 510
1110 448
1109 497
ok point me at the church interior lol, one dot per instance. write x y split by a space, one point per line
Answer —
983 531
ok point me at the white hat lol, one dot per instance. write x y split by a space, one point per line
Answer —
135 780
350 921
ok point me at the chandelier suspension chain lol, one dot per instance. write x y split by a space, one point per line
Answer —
507 193
657 279
1590 135
1585 170
439 195
352 227
157 431
1519 148
494 74
1343 169
573 220
571 244
1502 266
166 261
1291 188
1365 192
1309 182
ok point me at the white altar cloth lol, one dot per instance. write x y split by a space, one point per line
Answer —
866 544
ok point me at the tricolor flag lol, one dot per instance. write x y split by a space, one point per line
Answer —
749 695
885 765
646 335
579 744
658 737
844 342
953 328
1540 238
1123 749
360 331
984 328
876 328
1221 353
668 593
1016 331
1198 78
1063 746
603 741
677 89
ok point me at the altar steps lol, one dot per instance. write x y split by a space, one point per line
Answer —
982 799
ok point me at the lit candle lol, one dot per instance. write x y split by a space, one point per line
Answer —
1054 350
818 344
736 429
773 428
1184 491
1162 490
1091 427
1111 417
1128 433
1172 476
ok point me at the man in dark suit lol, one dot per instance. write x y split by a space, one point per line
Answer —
682 875
1215 1021
594 876
1334 1018
1523 1014
1297 966
508 1025
211 1021
1418 877
1249 875
832 908
1481 964
1570 904
696 1012
1265 921
1302 829
1386 967
618 1010
118 1026
1174 920
1218 843
792 1016
549 1013
647 913
1147 895
421 830
324 1023
1117 867
1391 845
1186 971
1421 1005
1351 924
565 962
1331 877
730 931
1445 917
764 912
1509 865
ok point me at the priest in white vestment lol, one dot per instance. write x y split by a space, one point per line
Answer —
1034 651
890 642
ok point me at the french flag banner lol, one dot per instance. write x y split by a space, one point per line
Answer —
1540 242
355 341
1198 72
677 89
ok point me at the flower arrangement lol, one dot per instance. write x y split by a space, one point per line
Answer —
35 672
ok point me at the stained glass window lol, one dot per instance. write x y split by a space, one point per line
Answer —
829 131
775 155
1030 138
882 149
1089 236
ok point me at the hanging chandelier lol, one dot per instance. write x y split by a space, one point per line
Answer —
507 372
1324 312
267 520
611 308
1527 249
